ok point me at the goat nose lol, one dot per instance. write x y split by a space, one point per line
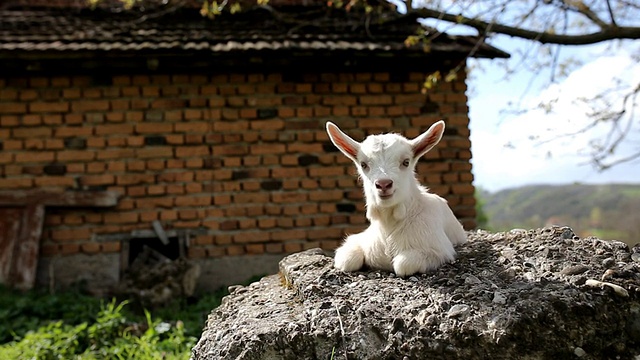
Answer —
384 184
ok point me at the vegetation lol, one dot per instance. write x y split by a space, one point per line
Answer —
482 220
36 325
606 211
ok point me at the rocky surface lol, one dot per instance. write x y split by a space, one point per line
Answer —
537 294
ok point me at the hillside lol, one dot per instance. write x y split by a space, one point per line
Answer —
608 211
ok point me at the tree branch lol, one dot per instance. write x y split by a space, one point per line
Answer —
582 8
613 18
609 33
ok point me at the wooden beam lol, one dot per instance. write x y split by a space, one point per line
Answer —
27 249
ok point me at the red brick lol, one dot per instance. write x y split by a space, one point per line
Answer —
75 155
71 234
157 164
154 152
60 181
111 247
230 125
273 248
235 149
193 114
31 120
93 180
12 108
10 170
463 189
288 197
133 179
193 126
292 247
154 128
156 190
34 156
90 105
15 183
376 100
31 132
246 198
255 248
253 236
52 119
235 250
8 94
74 168
34 144
114 129
9 120
68 249
193 201
291 234
120 218
115 154
154 202
169 215
304 148
90 248
288 172
53 144
187 151
196 252
136 191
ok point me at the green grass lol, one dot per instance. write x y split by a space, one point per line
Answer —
70 325
630 191
607 234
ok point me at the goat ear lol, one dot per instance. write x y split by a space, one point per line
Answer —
342 141
428 139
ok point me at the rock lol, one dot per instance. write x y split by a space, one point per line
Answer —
505 297
155 280
499 298
458 310
574 270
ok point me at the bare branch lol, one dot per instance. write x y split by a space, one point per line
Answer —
582 8
609 33
611 16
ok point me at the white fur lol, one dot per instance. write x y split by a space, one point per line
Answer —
412 231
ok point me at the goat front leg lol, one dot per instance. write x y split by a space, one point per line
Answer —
350 256
409 262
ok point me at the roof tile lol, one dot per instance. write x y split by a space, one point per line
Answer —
58 30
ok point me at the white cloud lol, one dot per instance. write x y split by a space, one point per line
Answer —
520 150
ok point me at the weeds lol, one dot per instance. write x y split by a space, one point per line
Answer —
75 326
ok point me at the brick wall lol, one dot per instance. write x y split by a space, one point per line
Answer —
243 158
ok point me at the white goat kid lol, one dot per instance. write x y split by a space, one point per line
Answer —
411 230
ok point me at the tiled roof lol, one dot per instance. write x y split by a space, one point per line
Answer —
60 31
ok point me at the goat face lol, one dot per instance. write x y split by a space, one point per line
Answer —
386 162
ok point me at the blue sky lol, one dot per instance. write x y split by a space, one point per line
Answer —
512 150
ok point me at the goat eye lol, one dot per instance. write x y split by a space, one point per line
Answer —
364 165
405 163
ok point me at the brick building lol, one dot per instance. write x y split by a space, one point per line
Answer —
209 134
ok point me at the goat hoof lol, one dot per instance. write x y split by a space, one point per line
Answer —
348 261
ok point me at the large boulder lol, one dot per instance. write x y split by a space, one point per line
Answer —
537 294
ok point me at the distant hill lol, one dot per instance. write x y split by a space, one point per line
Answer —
607 211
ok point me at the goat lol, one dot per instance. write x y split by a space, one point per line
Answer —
411 230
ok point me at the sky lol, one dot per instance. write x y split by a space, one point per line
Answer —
511 150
